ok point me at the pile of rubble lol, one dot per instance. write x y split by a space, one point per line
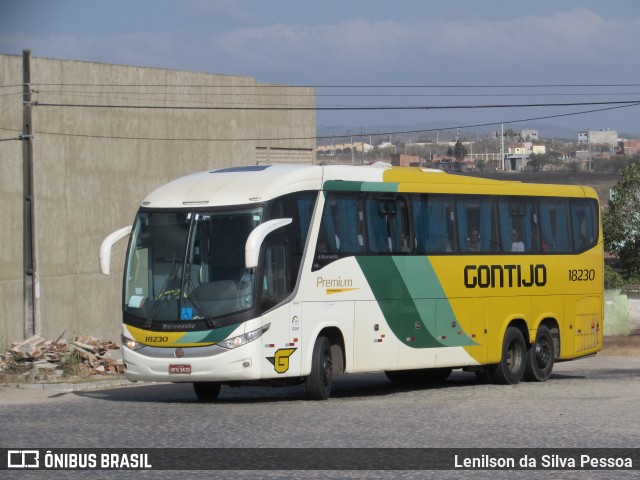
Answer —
38 359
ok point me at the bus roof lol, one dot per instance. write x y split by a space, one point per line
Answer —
258 183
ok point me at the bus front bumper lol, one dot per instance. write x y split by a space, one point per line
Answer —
192 364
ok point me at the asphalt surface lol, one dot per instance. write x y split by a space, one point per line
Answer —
588 403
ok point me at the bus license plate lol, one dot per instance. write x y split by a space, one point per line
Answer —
180 369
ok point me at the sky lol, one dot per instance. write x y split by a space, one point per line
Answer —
463 53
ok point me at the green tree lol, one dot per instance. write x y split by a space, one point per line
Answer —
459 151
537 161
621 221
449 152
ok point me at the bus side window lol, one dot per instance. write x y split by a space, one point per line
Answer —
433 223
274 281
476 221
518 225
349 223
554 226
378 209
341 228
584 222
327 240
399 228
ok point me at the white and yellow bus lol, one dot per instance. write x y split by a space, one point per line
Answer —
287 274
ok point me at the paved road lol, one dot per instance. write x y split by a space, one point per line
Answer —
587 403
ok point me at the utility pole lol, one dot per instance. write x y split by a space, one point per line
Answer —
353 160
589 142
502 145
362 145
31 281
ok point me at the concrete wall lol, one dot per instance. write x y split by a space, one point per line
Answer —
11 314
616 313
94 164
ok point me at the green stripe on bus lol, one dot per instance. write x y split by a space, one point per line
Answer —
412 301
349 186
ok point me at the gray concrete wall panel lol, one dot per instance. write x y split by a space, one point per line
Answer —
95 163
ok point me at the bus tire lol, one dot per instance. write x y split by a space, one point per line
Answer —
318 383
206 391
540 357
511 367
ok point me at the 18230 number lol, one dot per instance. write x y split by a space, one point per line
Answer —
156 339
582 275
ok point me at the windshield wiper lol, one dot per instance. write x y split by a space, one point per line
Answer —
164 293
197 300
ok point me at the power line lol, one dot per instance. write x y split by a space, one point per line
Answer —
263 85
329 137
99 94
337 108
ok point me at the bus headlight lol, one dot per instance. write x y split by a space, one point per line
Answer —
245 338
130 343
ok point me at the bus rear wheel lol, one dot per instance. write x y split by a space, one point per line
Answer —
318 383
511 368
206 391
540 357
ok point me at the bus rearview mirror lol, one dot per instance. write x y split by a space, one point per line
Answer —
257 236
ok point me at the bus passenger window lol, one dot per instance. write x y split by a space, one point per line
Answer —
476 221
399 228
378 209
341 227
554 225
584 221
518 225
433 223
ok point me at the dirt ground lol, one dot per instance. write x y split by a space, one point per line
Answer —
613 346
621 346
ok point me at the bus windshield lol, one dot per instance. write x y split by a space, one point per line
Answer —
189 266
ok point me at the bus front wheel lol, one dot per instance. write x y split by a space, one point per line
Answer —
540 357
512 366
206 391
318 383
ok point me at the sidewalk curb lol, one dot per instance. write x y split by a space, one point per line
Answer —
73 387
